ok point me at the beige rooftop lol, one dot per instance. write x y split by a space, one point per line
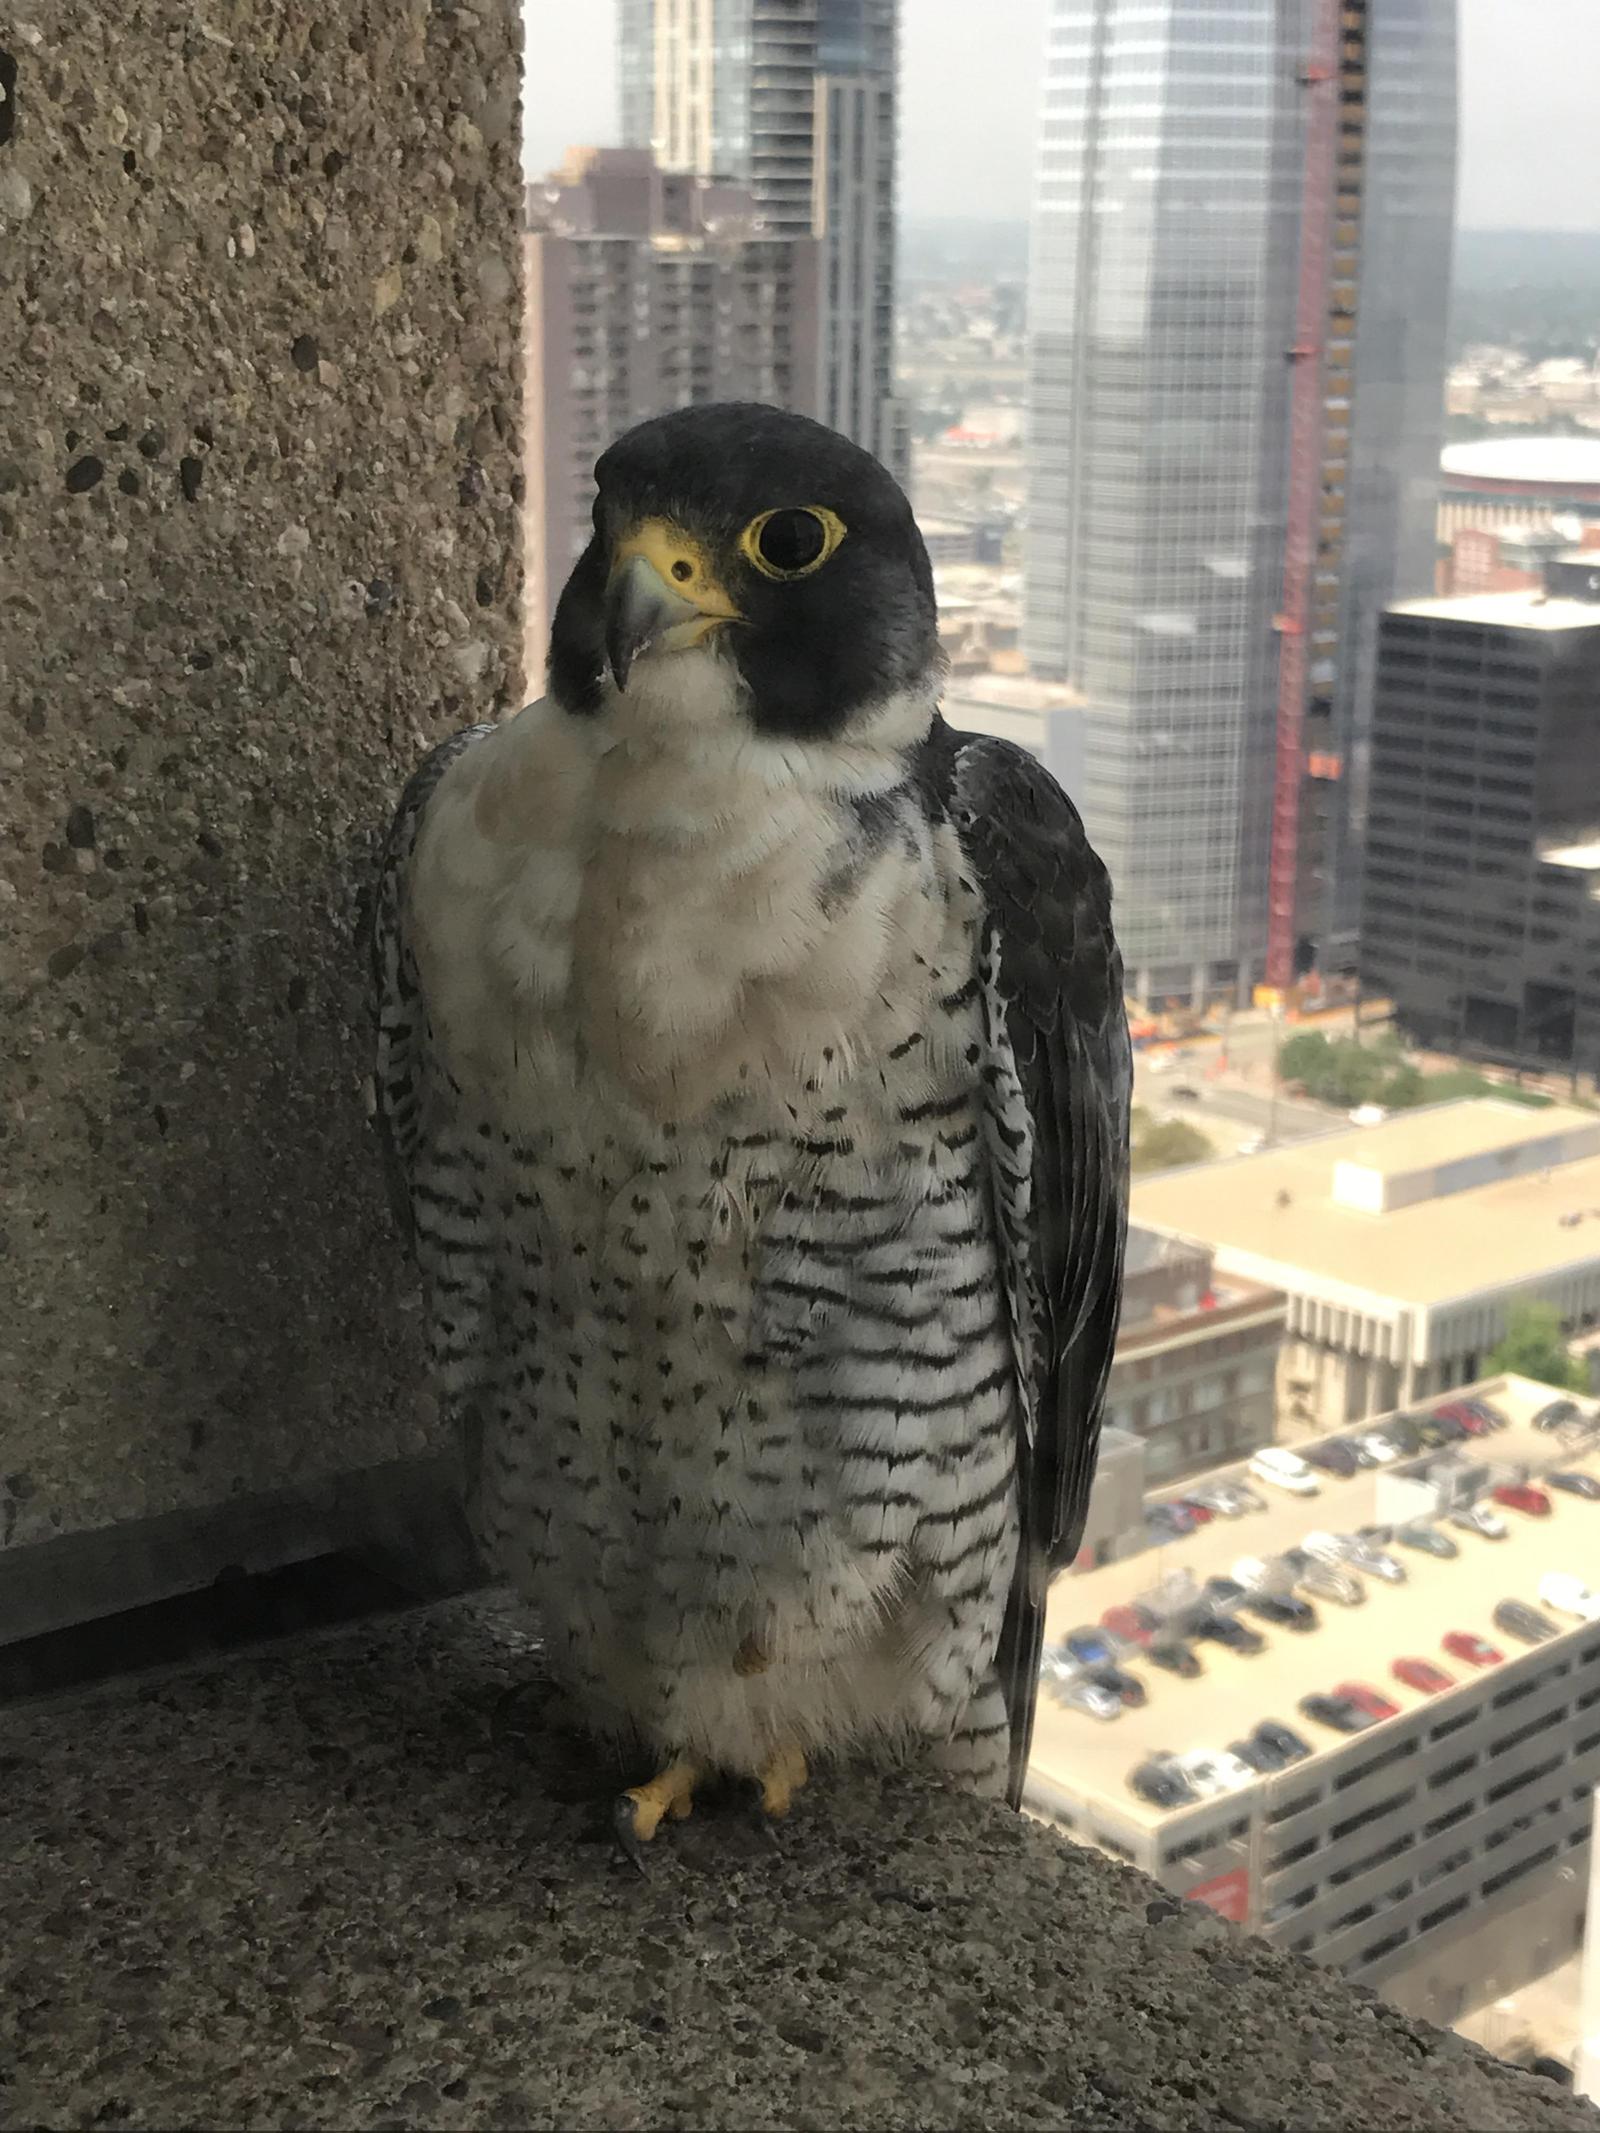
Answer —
1433 1204
1506 610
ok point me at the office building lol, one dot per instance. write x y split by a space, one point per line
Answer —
1233 407
796 100
647 290
1400 1246
1482 914
1440 1855
1196 1366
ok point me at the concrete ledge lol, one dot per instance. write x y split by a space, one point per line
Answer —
308 1888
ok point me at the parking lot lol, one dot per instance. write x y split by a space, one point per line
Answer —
1350 1644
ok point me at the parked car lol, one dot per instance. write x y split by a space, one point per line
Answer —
1490 1413
1224 1591
1090 1647
1523 1622
1337 1712
1426 1539
1569 1595
1168 1521
1478 1518
1209 1622
1524 1497
1161 1782
1372 1701
1325 1581
1283 1470
1373 1561
1474 1650
1422 1675
1292 1747
1252 1144
1184 1092
1079 1694
1379 1448
1469 1415
1128 1687
1255 1755
1334 1457
1174 1656
1201 1513
1284 1610
1574 1483
1556 1414
1436 1431
1368 1115
1222 1498
1214 1771
1133 1624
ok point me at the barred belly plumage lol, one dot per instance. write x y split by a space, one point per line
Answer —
753 1460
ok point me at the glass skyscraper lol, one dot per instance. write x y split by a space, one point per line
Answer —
794 99
1163 286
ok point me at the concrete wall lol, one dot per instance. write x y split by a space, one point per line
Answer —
258 544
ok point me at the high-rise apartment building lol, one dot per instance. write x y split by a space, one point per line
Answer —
794 99
1241 235
647 290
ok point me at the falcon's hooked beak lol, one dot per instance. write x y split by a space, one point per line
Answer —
662 595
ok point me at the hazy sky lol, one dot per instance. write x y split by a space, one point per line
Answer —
1530 72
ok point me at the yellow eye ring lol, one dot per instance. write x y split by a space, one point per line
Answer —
778 533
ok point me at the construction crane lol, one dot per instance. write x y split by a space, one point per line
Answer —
1334 83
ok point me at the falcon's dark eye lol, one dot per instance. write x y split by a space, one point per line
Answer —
793 541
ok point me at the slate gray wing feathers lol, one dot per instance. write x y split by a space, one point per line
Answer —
1059 1075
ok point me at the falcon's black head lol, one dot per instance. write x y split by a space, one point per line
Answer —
777 543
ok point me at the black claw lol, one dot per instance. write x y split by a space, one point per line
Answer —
624 1829
759 1816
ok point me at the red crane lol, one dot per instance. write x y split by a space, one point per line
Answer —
1320 77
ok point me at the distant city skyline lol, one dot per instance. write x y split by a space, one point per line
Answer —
1529 154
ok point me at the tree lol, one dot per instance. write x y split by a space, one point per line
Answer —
1533 1348
1404 1089
1306 1058
1164 1144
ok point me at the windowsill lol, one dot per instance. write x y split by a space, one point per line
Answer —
303 1887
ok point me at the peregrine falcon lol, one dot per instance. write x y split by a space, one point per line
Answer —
754 1073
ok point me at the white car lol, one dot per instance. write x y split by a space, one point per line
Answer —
1213 1771
1284 1470
1221 1497
1263 1573
1368 1115
1382 1450
1478 1518
1326 1547
1569 1595
1254 1145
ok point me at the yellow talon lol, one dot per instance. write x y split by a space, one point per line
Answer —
670 1792
780 1780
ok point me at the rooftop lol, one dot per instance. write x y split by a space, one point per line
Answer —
1556 462
1529 610
1396 1211
1084 1756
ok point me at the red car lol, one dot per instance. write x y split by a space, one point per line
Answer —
1422 1675
1476 1651
1521 1496
1137 1624
1472 1419
1201 1513
1367 1700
